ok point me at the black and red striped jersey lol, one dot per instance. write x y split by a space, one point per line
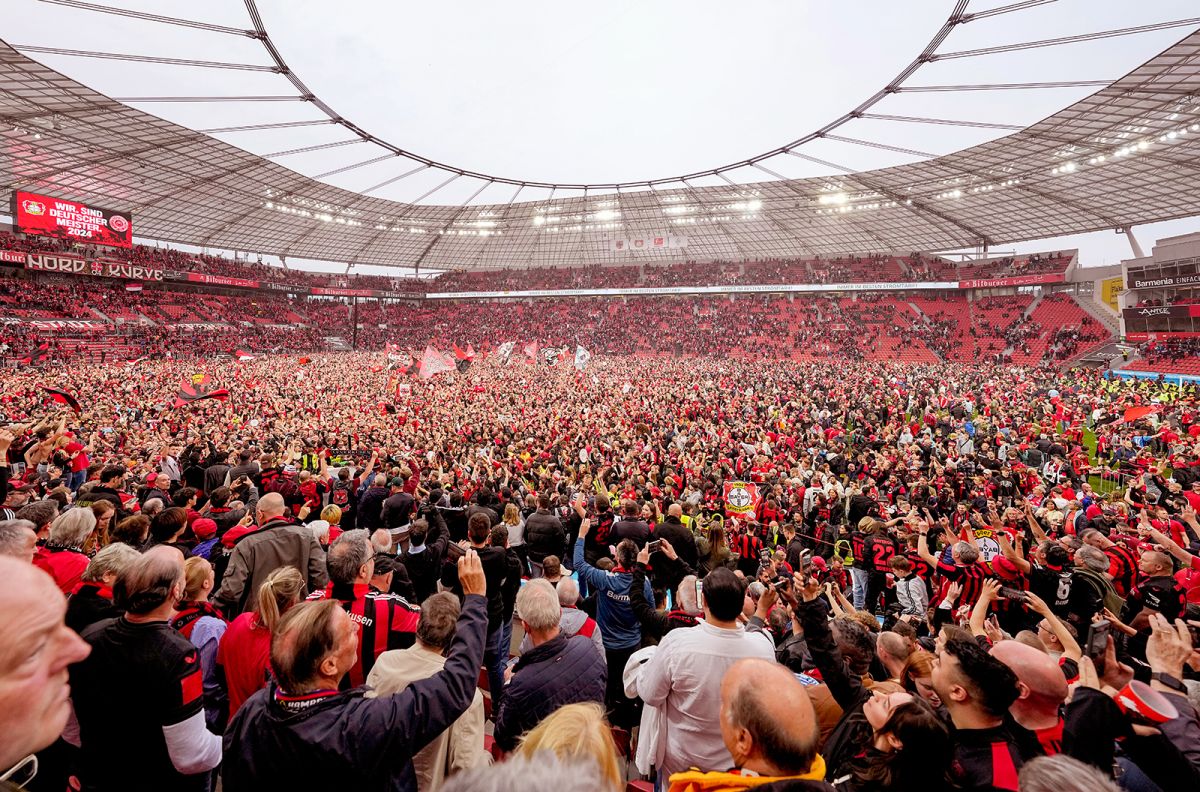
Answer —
385 621
1122 567
747 545
970 577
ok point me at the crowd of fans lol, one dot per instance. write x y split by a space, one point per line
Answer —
915 267
865 327
701 574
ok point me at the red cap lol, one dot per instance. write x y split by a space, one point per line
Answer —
819 562
1005 568
204 528
150 477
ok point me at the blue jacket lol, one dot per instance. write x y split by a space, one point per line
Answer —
559 672
341 740
618 623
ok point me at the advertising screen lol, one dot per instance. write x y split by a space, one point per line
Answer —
44 215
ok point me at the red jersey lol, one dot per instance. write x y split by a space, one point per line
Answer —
245 654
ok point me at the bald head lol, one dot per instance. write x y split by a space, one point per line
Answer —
269 506
1155 563
1043 688
767 720
674 510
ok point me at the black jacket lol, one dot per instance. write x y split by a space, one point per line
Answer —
397 510
346 741
634 529
853 731
654 624
559 672
88 604
668 573
496 569
99 493
424 567
370 504
544 535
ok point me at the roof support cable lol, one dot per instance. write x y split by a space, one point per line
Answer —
121 56
1005 86
356 165
394 179
318 147
139 99
944 121
1056 42
998 10
165 20
884 146
257 127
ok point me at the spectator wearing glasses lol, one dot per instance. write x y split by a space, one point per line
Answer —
385 621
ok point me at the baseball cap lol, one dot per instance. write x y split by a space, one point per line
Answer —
397 482
385 563
1005 568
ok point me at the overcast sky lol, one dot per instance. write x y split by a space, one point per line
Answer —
601 92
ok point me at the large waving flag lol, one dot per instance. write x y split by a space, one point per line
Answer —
1137 413
582 357
188 394
531 349
434 362
462 354
504 351
62 397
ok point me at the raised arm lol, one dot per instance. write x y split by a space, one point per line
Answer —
1071 649
1013 554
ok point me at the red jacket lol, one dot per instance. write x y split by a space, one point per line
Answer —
64 565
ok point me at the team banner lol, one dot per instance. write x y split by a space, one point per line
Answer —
44 215
219 280
741 498
65 324
1016 280
330 291
504 351
582 357
68 264
434 362
1153 280
12 256
659 242
1161 312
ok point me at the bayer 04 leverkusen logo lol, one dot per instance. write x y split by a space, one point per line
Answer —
740 496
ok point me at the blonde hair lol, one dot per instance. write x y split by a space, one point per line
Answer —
281 590
332 514
511 515
574 733
196 572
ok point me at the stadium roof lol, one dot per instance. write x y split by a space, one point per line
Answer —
1123 156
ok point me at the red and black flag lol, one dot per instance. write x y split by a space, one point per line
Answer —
188 394
62 397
